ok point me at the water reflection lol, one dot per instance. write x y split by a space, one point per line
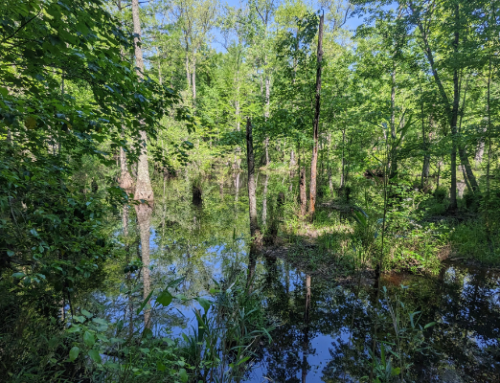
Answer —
144 212
326 330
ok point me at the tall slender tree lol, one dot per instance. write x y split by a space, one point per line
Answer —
314 161
143 188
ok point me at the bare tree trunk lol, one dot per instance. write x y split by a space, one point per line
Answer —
292 168
394 159
427 159
237 113
302 191
488 106
160 79
126 182
188 75
252 198
342 173
143 189
469 177
266 113
314 161
480 148
264 201
454 120
144 212
193 76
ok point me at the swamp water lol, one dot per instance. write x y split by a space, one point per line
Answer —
326 329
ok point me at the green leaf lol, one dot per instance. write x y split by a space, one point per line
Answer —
73 353
429 325
86 313
145 302
165 298
79 318
183 375
204 303
95 356
175 282
88 338
18 275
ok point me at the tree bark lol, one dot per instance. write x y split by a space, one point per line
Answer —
160 78
143 189
188 75
394 159
427 159
302 192
264 201
314 161
488 131
193 76
464 159
480 148
292 168
126 181
266 115
252 198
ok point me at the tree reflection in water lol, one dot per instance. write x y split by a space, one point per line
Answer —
325 329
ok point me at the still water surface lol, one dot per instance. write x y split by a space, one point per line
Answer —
326 328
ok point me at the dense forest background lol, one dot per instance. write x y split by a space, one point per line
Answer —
357 151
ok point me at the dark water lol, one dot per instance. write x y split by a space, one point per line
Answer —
327 329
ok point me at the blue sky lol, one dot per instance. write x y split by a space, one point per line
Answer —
351 24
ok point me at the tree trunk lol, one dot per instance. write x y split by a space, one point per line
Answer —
144 212
394 159
469 177
480 148
427 159
342 171
488 131
193 76
292 168
252 199
266 115
126 182
143 189
264 201
302 192
237 113
160 79
314 161
188 75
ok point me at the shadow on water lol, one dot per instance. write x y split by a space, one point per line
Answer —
324 330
